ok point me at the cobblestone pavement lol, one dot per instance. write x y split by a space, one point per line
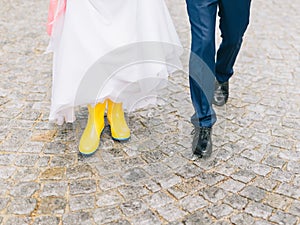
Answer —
253 176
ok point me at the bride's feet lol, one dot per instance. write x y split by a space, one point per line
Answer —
118 126
90 138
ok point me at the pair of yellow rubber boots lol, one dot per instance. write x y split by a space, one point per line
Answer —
90 138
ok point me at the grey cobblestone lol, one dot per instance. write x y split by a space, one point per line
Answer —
56 189
242 219
171 213
82 202
284 218
21 206
46 220
26 189
52 205
83 187
252 177
259 210
145 218
253 193
108 199
220 211
80 218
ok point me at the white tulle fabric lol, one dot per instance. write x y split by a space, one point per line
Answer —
91 29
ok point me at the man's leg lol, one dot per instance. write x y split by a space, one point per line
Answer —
234 19
202 14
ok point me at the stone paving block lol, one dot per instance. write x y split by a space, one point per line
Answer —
213 194
152 185
3 203
107 168
52 205
295 208
278 201
274 161
82 202
262 222
108 198
46 220
236 201
7 159
225 169
288 190
175 161
259 210
83 187
25 190
252 155
193 203
129 163
253 193
43 161
134 175
4 186
119 222
133 207
199 218
102 216
66 160
296 180
282 176
80 218
17 221
110 182
290 155
231 185
242 219
171 212
146 218
79 171
259 169
133 192
155 169
55 148
244 176
158 199
220 211
22 206
167 180
284 218
6 172
153 156
53 174
56 189
191 186
265 183
211 178
293 167
189 171
177 192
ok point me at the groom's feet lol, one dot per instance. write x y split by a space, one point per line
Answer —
202 144
221 93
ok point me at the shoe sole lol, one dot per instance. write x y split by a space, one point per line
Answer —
120 139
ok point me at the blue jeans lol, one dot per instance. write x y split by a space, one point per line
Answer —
205 65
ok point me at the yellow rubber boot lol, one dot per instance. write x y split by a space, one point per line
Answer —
118 126
90 138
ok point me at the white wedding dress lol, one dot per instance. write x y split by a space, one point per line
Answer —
117 49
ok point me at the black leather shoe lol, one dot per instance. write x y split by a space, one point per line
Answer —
221 93
202 144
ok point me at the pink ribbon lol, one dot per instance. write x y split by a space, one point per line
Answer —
55 11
